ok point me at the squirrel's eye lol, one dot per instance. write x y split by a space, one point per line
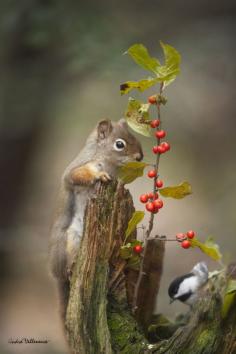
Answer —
119 144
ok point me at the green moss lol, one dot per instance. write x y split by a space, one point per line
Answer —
205 342
203 338
125 335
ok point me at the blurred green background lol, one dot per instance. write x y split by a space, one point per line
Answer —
61 65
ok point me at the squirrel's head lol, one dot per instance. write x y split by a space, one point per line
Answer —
121 145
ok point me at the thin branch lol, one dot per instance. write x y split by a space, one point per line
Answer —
151 220
155 189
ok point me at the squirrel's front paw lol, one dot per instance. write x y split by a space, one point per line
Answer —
104 176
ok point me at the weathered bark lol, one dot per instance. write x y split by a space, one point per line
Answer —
99 317
99 272
148 288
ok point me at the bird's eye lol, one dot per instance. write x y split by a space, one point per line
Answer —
119 144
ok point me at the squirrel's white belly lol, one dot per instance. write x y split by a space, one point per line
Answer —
75 230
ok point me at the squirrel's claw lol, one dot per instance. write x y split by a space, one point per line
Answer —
104 176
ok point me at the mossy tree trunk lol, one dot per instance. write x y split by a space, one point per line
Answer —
98 281
100 318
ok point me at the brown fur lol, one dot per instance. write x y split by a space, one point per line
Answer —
84 174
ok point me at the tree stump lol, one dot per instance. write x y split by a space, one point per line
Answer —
98 281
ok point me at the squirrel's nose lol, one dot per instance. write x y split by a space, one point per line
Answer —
138 156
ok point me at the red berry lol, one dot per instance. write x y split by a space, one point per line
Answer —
152 173
166 146
156 195
150 207
155 211
143 198
152 99
160 149
158 203
155 149
159 183
150 195
160 134
180 237
155 123
191 234
186 244
138 249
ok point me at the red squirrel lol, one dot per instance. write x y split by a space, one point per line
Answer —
109 146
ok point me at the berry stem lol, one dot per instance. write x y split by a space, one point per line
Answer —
163 238
151 220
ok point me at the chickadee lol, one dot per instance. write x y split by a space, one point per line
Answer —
185 288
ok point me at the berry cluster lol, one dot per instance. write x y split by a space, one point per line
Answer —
152 201
184 238
159 134
153 204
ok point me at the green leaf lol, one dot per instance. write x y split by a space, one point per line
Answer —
209 247
172 64
137 117
227 303
162 73
136 218
141 85
131 170
140 55
134 262
126 251
229 297
231 287
144 111
177 192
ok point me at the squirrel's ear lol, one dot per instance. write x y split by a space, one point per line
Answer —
104 128
122 122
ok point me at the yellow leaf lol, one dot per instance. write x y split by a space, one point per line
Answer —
141 85
209 248
177 192
140 55
171 67
137 117
131 170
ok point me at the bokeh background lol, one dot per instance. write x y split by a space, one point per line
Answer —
61 65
